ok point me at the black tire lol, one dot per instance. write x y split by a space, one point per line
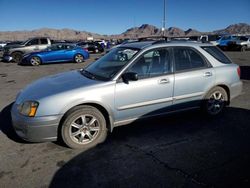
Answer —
243 48
78 58
215 101
83 128
17 57
35 61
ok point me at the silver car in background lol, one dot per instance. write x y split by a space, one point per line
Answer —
134 81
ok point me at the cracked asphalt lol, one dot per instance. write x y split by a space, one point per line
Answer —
181 150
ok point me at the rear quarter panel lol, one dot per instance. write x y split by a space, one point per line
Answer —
227 75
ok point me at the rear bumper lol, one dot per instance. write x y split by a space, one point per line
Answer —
236 89
35 129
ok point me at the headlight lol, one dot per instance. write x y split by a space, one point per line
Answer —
28 108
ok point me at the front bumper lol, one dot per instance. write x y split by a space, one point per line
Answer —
7 58
35 129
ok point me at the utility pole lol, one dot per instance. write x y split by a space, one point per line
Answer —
164 18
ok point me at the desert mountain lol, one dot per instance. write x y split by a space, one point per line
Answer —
59 34
241 28
142 31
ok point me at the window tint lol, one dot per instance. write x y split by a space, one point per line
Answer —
187 58
153 63
217 54
43 41
33 42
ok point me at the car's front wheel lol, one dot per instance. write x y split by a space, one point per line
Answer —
84 127
35 61
215 101
17 57
78 58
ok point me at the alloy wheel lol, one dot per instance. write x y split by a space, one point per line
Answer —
35 61
215 102
84 129
79 58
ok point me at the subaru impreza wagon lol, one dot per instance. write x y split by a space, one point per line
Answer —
133 81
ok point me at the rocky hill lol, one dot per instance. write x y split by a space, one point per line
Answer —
142 31
59 34
241 28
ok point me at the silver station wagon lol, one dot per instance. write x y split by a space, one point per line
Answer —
134 81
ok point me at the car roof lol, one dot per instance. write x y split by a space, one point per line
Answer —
162 43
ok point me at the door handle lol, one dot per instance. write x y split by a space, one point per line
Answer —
164 81
208 74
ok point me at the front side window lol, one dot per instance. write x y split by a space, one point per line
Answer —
152 63
109 65
187 59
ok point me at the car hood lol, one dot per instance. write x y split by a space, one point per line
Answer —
55 84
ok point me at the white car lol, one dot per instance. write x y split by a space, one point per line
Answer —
243 43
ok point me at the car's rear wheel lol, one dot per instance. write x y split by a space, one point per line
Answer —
84 127
243 48
215 101
96 50
17 57
35 61
78 58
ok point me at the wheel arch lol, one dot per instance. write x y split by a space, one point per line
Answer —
17 51
103 110
225 87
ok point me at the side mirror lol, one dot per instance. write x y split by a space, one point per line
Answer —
129 76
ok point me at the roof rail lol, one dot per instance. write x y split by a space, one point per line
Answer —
152 38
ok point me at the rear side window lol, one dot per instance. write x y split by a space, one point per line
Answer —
188 59
44 41
217 54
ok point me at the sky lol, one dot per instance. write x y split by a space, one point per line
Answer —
116 16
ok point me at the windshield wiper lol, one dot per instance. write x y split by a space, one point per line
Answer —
88 74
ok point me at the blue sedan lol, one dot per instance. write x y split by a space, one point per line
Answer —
61 52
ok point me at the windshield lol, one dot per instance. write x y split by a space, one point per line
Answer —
109 65
24 42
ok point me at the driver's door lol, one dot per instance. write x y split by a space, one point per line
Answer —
152 93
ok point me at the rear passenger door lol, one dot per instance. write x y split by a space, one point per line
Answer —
43 43
193 77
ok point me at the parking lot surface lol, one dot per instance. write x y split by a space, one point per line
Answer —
181 150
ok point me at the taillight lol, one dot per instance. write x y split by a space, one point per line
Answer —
86 49
238 71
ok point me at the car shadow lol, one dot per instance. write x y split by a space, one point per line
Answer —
245 72
182 150
6 125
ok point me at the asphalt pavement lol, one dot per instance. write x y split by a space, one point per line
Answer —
181 150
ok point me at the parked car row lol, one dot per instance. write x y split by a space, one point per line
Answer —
232 42
225 42
39 50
